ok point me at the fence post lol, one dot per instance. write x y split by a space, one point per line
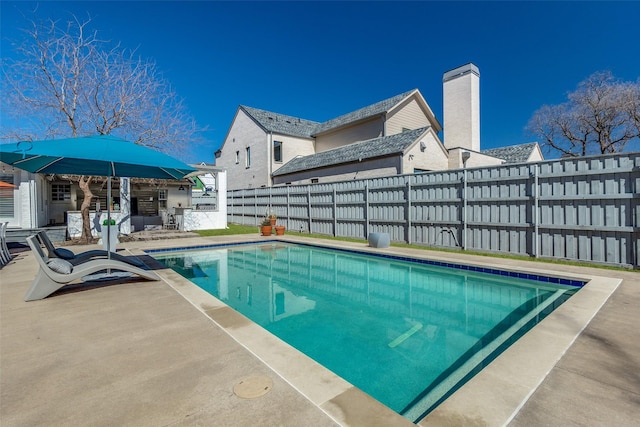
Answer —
464 209
288 207
366 209
335 212
255 205
309 207
408 221
244 208
635 220
536 219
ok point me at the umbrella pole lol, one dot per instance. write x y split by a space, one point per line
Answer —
109 220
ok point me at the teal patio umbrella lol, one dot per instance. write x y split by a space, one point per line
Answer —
100 155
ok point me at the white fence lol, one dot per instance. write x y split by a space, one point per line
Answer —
582 209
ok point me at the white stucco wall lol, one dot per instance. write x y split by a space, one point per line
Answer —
476 159
432 157
74 222
204 220
210 220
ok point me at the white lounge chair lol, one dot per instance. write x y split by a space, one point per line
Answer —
56 272
73 258
5 255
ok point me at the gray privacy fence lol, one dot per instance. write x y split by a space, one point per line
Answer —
582 209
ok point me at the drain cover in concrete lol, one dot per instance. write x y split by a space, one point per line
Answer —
252 387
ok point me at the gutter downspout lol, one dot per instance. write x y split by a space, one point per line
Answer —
384 123
270 158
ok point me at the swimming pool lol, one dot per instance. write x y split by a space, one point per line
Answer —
407 333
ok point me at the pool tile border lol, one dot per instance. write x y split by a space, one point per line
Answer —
466 267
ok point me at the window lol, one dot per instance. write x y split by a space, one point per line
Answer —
60 192
6 197
248 159
314 180
277 151
162 198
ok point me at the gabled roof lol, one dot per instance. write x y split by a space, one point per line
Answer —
368 149
295 126
363 113
280 123
512 154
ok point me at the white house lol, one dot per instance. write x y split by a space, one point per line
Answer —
398 135
38 200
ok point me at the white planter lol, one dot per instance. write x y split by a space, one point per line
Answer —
113 238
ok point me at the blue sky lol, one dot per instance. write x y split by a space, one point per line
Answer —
318 60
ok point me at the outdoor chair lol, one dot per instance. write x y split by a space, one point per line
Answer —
56 272
73 258
5 255
169 222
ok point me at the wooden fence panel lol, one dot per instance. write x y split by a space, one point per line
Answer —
582 209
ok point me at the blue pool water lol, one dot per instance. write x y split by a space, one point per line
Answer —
407 333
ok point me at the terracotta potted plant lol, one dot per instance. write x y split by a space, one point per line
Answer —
265 227
279 230
273 217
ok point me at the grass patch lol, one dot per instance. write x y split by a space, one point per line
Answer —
248 229
230 230
516 257
341 239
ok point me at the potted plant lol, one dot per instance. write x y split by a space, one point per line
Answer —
279 230
272 218
265 227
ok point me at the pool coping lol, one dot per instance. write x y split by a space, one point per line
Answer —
492 397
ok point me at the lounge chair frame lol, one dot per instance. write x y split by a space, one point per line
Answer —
48 281
53 252
5 255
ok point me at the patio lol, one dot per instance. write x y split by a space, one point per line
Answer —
139 353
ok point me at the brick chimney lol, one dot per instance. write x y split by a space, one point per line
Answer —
461 104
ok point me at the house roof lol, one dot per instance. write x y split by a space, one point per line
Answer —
363 113
280 123
368 149
295 126
514 153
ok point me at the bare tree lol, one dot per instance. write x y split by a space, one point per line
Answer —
601 116
64 81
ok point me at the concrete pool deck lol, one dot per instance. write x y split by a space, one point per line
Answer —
163 353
